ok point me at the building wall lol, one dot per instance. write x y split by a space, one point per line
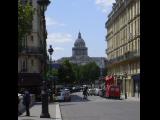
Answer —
32 41
123 40
31 57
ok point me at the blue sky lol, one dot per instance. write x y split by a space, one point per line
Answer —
65 18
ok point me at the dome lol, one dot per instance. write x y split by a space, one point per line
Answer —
79 41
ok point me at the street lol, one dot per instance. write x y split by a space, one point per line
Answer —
97 108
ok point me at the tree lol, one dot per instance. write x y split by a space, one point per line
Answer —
25 17
86 73
66 73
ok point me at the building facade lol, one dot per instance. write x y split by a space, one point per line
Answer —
80 54
123 44
31 56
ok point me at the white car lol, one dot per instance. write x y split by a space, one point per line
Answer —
96 92
91 91
59 96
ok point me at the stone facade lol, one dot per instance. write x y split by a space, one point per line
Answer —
123 42
31 58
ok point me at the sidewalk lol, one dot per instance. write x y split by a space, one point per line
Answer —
130 98
35 112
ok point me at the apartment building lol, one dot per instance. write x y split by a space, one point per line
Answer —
31 57
123 45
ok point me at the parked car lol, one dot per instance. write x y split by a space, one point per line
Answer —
96 91
67 96
59 96
91 91
63 95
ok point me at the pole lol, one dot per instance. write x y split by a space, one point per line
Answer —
44 93
51 96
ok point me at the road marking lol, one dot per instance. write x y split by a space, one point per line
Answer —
58 112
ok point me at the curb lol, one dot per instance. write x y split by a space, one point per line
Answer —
58 112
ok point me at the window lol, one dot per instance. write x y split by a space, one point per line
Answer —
135 28
136 45
24 41
24 65
138 26
130 12
32 62
138 6
32 38
133 10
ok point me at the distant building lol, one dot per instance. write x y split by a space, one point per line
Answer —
80 54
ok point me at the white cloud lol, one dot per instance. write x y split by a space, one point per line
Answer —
104 4
58 48
59 38
50 22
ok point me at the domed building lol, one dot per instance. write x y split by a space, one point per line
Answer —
80 54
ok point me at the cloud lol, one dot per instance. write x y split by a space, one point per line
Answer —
105 5
58 48
59 38
51 22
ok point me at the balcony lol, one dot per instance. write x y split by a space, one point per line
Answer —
127 56
31 50
106 50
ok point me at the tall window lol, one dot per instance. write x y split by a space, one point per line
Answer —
133 10
133 30
139 26
32 38
138 6
32 62
24 65
138 45
24 41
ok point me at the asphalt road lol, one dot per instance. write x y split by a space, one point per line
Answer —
97 108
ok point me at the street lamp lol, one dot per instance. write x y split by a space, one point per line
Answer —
45 114
50 50
125 76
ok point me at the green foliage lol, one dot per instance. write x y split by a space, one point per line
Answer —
51 73
66 73
89 72
75 74
25 17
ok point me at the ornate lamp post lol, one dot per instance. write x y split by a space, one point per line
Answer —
45 114
50 50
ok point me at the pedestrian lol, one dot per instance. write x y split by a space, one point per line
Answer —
19 113
85 93
26 101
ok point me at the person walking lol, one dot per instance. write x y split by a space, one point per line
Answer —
85 93
26 102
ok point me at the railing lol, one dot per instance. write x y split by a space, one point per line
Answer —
127 56
32 50
106 50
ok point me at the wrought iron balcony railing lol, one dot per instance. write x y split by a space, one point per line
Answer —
32 50
125 57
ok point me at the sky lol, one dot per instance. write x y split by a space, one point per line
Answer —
65 18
